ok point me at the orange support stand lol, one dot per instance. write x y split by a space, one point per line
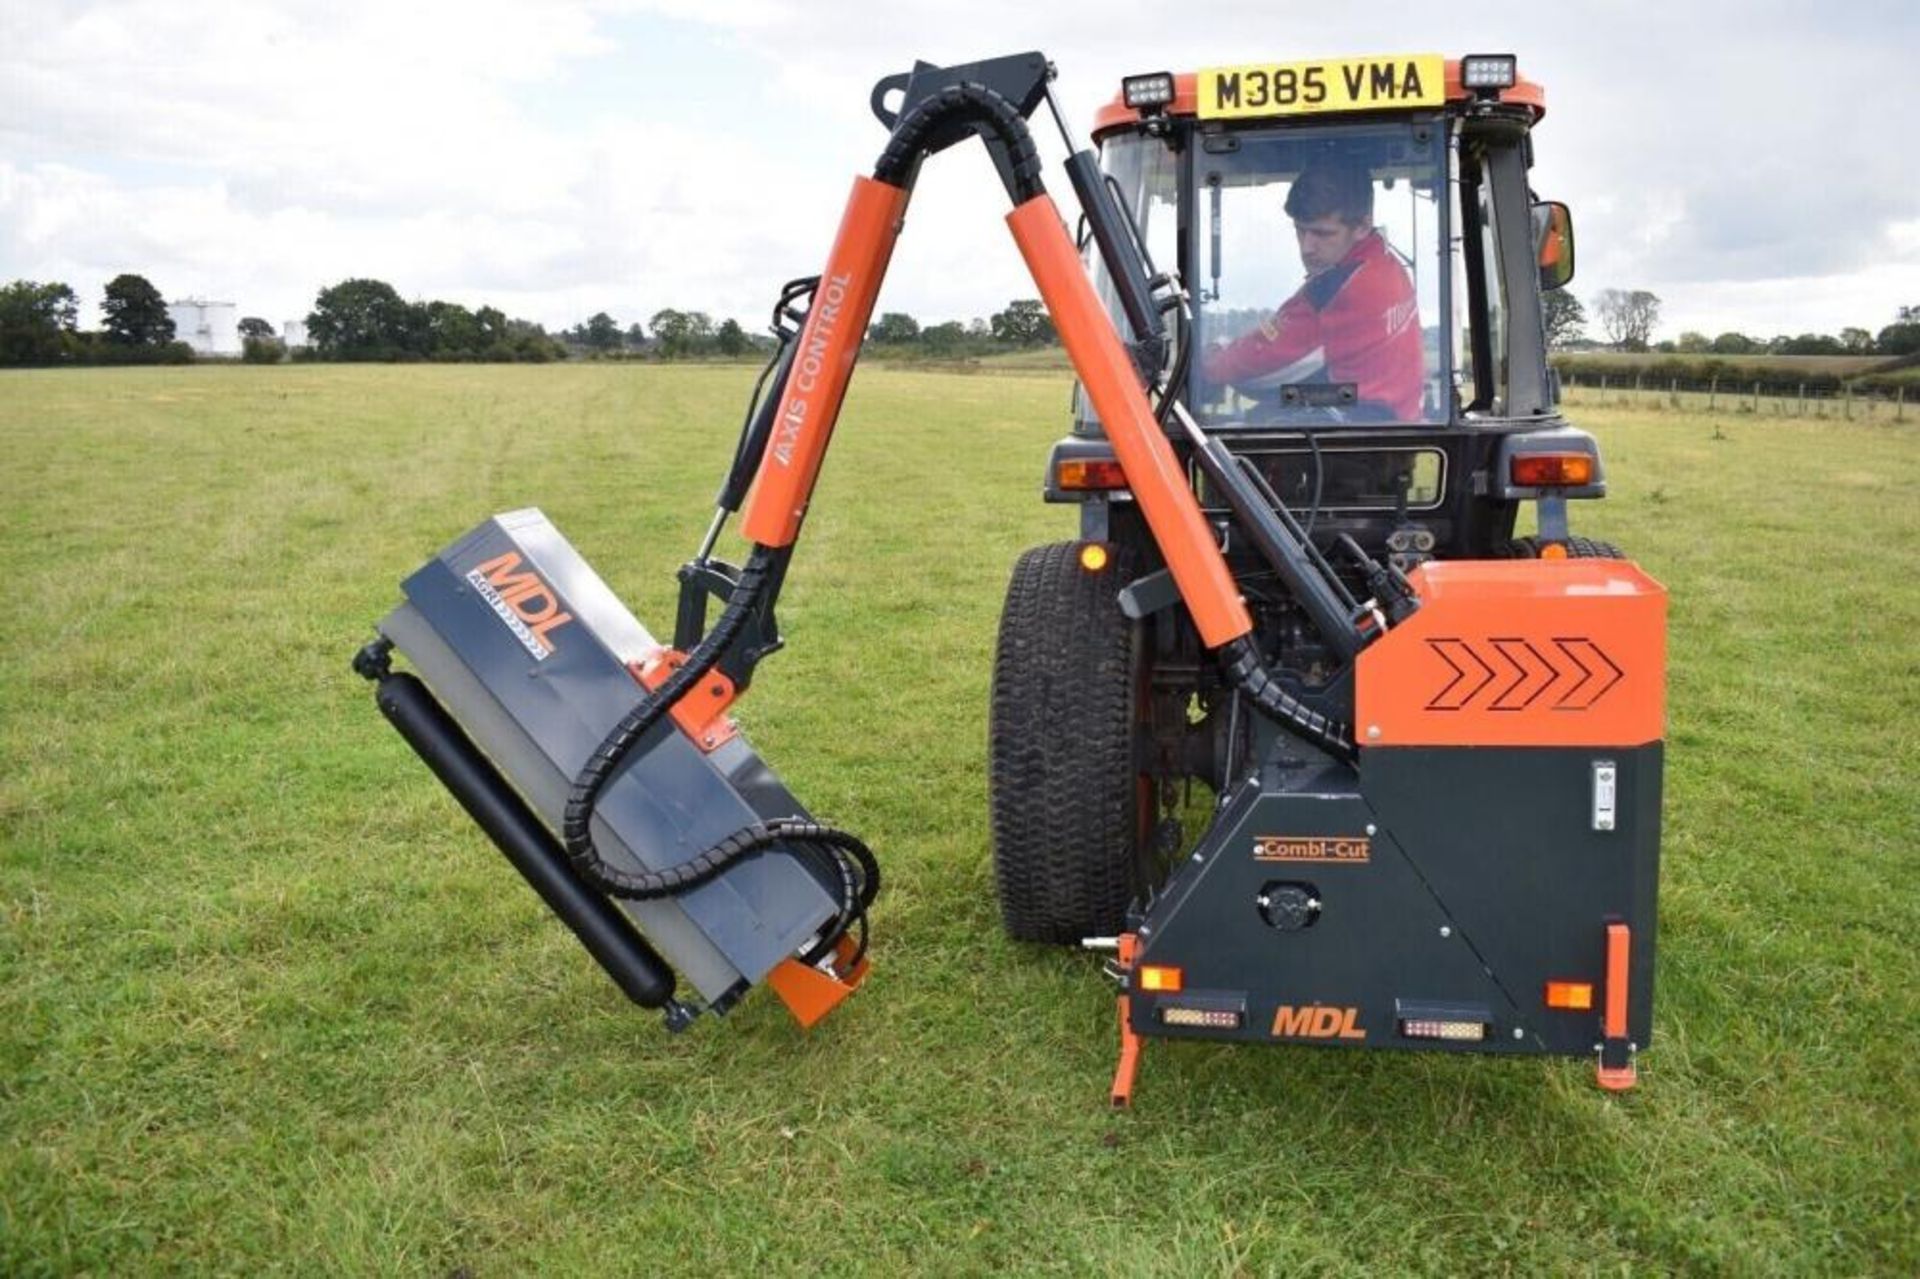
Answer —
808 992
1122 1095
1616 1071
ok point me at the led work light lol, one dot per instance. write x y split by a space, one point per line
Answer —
1145 91
1494 71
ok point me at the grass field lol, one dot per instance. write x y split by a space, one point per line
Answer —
268 1002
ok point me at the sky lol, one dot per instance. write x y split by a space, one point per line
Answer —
1751 164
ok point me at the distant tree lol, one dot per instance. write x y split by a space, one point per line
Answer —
37 323
943 339
1023 323
255 349
360 319
1811 344
1856 341
1627 318
1566 318
979 328
255 327
670 331
681 333
530 343
1902 338
1693 342
636 337
1735 344
895 328
730 338
136 314
453 332
601 333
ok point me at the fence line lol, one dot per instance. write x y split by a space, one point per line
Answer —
1737 395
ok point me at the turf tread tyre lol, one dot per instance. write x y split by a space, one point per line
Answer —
1060 756
1578 548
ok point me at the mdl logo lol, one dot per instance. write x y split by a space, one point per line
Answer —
1317 1021
522 600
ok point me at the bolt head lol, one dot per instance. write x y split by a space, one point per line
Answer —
1519 1032
1446 931
1373 732
1372 829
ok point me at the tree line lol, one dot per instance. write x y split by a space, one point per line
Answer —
39 325
1627 319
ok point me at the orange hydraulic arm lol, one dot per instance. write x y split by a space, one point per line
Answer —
830 343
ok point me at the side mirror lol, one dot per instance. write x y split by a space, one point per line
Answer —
1553 243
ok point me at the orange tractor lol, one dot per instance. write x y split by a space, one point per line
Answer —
1305 314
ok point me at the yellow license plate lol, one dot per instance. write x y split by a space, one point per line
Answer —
1326 84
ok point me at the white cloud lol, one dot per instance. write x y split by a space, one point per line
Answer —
262 150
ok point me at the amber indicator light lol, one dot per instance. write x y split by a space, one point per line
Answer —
1573 996
1160 978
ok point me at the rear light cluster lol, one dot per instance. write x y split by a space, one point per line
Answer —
1088 474
1552 470
1205 1018
1422 1028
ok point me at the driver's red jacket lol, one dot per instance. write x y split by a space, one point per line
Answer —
1355 322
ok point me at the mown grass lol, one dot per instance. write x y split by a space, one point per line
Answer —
268 1002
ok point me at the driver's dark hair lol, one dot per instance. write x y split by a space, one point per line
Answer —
1325 188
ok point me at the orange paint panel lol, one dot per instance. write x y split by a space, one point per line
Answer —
810 994
829 344
1520 653
701 714
1158 481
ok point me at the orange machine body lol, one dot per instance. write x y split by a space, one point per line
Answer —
1520 653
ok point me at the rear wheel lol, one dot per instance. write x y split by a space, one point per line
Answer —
1069 808
1578 548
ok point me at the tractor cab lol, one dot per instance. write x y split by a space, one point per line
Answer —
1363 263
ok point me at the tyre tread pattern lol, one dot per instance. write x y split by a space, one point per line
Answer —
1061 772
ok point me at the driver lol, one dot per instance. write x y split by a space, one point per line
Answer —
1355 318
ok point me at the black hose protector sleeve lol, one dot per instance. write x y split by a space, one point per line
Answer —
980 104
576 833
1249 674
751 841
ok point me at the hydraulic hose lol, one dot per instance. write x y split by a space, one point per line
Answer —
858 871
1250 675
983 106
576 832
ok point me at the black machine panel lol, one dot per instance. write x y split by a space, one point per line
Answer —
1428 909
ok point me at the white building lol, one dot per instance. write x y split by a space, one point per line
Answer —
210 328
293 332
